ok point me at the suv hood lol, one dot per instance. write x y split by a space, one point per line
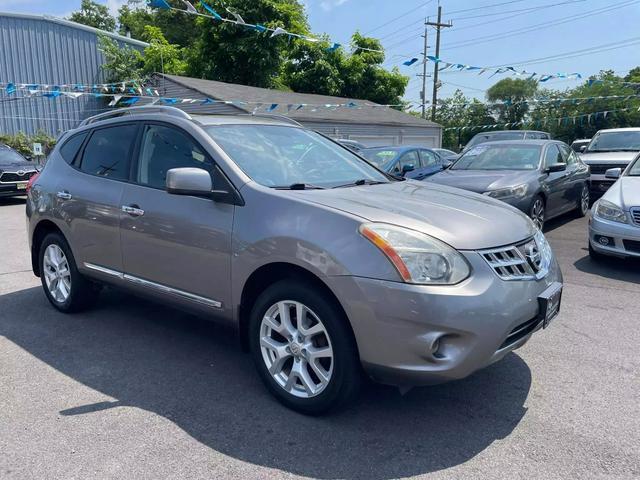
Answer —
482 180
625 192
464 220
604 157
26 165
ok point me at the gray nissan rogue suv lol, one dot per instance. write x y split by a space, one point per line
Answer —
327 265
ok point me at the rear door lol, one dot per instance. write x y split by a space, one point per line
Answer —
89 194
409 159
175 245
430 163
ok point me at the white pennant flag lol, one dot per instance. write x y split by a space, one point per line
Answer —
116 99
279 31
72 94
190 8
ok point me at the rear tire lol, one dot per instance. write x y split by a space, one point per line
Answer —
537 211
310 364
66 288
584 202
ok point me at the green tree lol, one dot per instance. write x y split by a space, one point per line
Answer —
94 15
121 61
510 93
160 55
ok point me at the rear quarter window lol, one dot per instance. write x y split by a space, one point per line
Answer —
70 148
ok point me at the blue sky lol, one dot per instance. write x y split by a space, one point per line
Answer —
481 35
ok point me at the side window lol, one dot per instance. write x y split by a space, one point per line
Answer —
429 158
164 148
552 156
108 152
70 149
567 154
409 158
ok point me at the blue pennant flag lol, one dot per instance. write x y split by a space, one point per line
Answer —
352 104
131 101
206 101
52 94
272 107
213 13
333 47
260 28
162 4
408 63
170 101
11 88
433 59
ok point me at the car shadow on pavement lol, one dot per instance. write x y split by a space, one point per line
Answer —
623 269
193 373
12 201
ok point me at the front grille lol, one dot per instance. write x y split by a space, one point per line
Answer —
520 332
11 177
528 260
631 245
601 168
635 215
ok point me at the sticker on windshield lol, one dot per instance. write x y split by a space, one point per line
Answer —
478 150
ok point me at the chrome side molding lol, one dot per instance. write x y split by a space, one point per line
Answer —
155 286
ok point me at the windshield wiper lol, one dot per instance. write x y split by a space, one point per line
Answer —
300 186
360 182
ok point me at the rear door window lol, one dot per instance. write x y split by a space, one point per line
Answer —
429 159
409 159
108 152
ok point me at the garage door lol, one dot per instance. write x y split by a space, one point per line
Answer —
420 141
374 141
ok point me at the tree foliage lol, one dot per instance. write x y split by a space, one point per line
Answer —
94 15
121 61
512 92
160 55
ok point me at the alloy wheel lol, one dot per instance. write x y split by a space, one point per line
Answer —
57 274
584 200
296 349
537 213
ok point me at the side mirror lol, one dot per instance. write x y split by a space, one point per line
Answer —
556 167
408 168
583 148
189 181
446 164
613 173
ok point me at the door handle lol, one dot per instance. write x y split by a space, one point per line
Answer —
133 210
64 195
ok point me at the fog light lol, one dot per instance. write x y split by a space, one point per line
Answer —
603 240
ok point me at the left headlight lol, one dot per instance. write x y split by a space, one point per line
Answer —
610 211
519 191
418 257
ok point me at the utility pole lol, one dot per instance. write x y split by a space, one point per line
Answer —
423 94
438 26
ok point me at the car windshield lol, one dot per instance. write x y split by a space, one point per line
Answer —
615 141
281 156
490 137
380 158
7 157
499 157
634 170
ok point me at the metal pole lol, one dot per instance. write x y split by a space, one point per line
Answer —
438 25
424 73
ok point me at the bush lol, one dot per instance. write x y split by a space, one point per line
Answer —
23 143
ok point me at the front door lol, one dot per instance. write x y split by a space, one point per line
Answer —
556 183
176 245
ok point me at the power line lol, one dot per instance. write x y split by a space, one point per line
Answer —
528 9
398 17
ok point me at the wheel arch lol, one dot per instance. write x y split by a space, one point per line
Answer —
268 274
42 229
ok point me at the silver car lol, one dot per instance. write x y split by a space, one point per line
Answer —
614 227
327 266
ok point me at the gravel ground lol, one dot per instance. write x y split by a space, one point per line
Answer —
133 389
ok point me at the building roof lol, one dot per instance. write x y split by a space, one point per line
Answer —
366 115
79 26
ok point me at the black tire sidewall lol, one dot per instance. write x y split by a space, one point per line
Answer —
580 212
544 205
346 368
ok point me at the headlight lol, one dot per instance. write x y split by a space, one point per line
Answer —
418 258
512 192
610 211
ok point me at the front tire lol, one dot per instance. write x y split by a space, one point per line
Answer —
303 348
595 256
537 212
66 288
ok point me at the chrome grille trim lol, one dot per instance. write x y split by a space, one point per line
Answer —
12 178
635 215
527 260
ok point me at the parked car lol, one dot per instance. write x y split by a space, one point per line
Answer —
542 178
611 148
15 172
351 144
326 264
445 154
614 227
407 161
506 135
580 144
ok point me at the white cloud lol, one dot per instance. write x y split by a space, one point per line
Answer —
328 5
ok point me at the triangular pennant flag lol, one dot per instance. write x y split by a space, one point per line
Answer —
72 94
410 62
190 7
11 88
131 101
279 31
333 47
206 101
260 28
162 4
272 107
116 99
213 13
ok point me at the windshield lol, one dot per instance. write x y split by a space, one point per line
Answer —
634 170
490 137
499 157
615 141
280 156
380 158
7 157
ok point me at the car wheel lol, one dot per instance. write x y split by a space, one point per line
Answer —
303 348
595 256
537 211
64 286
584 201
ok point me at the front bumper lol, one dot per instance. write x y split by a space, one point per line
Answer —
599 184
398 326
13 189
624 239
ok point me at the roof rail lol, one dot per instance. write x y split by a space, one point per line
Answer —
275 116
173 111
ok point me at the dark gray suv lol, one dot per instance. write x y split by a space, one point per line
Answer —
326 264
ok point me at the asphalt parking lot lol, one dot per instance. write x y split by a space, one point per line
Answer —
132 389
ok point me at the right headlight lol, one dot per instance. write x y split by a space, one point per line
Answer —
610 211
419 258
